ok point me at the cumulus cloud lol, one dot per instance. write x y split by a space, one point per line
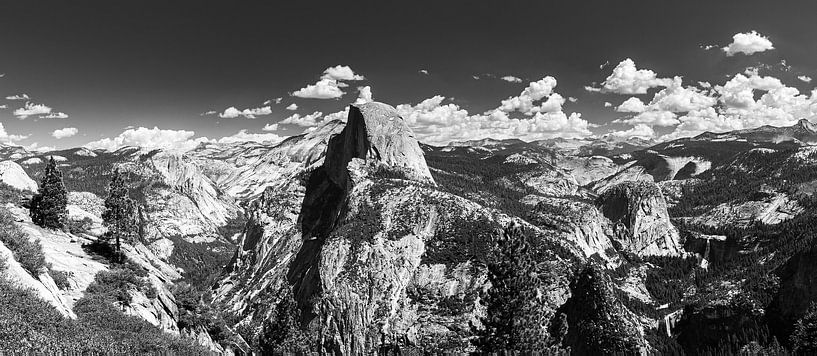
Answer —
677 98
748 43
270 127
627 79
208 113
437 123
323 89
55 115
423 71
292 107
18 97
640 130
572 99
511 79
155 138
632 104
4 106
7 138
607 104
232 112
804 78
535 91
305 120
244 136
364 95
341 72
64 132
779 105
654 118
270 101
32 109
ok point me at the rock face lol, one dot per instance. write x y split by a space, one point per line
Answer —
374 254
375 132
641 223
12 174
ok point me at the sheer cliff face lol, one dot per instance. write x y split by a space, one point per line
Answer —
374 253
642 226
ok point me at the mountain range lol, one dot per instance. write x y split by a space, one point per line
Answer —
374 242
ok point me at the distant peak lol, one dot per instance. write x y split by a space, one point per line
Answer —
808 125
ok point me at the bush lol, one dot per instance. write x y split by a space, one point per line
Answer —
115 284
80 226
29 253
60 278
30 325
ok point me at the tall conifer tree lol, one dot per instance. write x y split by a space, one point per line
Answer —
516 319
121 215
48 206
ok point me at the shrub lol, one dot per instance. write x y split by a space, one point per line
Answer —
29 253
80 226
60 278
30 325
114 285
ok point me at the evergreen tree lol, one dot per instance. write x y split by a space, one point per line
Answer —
282 333
121 214
804 338
48 206
516 319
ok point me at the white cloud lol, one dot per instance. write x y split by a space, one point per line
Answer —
155 138
244 136
305 120
323 89
364 95
64 132
677 98
572 99
511 79
207 113
340 72
476 77
748 43
4 106
7 138
804 78
55 115
436 123
270 101
232 112
423 71
32 109
627 79
292 107
632 104
640 130
535 91
607 104
18 97
654 118
270 127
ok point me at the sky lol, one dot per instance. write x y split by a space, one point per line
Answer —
177 73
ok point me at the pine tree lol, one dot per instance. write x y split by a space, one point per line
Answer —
121 215
516 319
282 333
804 338
48 206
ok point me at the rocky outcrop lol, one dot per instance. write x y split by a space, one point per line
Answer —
12 174
375 256
641 223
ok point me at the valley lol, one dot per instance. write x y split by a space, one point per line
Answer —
356 238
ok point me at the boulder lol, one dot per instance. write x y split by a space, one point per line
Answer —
13 174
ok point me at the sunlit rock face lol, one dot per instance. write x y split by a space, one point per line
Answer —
642 225
375 254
